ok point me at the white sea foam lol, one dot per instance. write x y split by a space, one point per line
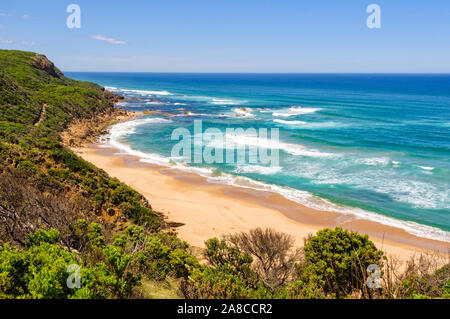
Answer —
264 170
385 181
300 150
128 127
123 129
291 148
203 171
146 92
223 102
189 113
427 168
144 157
375 161
290 122
417 193
295 110
309 125
207 99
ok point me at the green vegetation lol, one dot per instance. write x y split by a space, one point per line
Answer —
58 212
332 264
112 270
36 104
338 260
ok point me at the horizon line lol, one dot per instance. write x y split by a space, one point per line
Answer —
287 73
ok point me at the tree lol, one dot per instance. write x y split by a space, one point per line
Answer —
274 254
338 259
229 275
221 255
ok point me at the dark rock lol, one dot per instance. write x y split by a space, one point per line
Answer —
41 62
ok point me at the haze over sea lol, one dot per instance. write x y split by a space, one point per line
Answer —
373 145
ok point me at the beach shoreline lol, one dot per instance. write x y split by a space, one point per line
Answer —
208 209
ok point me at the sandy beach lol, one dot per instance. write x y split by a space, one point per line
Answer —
207 210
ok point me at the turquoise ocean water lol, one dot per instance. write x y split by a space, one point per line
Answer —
376 146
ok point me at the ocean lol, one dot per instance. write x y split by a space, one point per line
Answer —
373 145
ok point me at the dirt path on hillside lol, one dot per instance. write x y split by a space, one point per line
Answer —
42 115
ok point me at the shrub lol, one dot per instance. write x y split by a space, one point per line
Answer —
214 283
301 290
338 260
42 236
141 215
163 261
273 252
424 275
123 193
27 167
226 257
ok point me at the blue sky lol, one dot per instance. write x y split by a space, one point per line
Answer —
233 35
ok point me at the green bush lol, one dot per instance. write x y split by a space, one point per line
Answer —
223 256
140 215
27 167
337 260
162 260
123 193
301 290
213 283
114 270
41 271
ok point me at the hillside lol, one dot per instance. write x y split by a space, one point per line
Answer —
37 102
43 185
29 81
59 213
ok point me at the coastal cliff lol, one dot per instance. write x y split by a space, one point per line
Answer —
52 201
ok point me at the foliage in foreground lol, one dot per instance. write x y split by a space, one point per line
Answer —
113 270
338 261
122 266
332 264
